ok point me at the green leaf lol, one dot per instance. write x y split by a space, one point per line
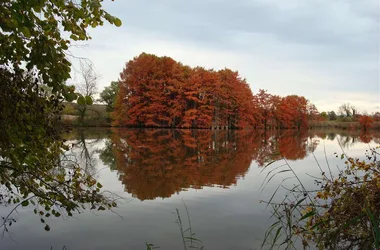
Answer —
26 32
81 100
74 37
71 97
25 203
299 202
117 22
309 214
375 227
37 8
47 228
89 100
99 185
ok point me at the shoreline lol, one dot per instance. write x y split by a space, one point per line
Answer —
349 126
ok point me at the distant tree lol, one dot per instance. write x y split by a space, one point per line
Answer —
332 115
324 116
376 116
313 113
86 89
345 110
108 95
366 122
354 110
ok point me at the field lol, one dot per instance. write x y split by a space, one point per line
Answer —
96 115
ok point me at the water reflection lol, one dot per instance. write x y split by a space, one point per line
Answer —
348 138
159 163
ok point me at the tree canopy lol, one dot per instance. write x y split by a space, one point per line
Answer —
160 92
31 35
108 95
35 37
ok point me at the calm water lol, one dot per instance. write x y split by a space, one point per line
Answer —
217 174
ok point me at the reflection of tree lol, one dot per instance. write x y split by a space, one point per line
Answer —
293 144
158 163
365 137
346 138
84 152
331 136
347 141
107 156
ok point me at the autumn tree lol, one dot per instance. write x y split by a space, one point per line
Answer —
313 113
366 122
160 92
293 112
198 99
266 106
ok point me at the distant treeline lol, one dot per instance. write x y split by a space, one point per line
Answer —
160 92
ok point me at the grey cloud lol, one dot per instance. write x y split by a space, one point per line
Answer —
333 45
322 23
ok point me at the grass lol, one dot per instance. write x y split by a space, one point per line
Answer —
96 116
341 213
187 235
346 125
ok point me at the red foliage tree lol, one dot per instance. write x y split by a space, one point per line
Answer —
160 92
293 112
366 121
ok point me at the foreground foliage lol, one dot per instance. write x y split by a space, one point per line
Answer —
35 37
342 214
33 169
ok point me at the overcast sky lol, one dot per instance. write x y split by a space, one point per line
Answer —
325 50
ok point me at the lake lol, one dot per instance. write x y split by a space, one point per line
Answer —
211 180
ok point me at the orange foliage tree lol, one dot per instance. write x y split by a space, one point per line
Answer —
160 92
366 121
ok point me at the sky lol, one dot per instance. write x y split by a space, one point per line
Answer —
324 50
